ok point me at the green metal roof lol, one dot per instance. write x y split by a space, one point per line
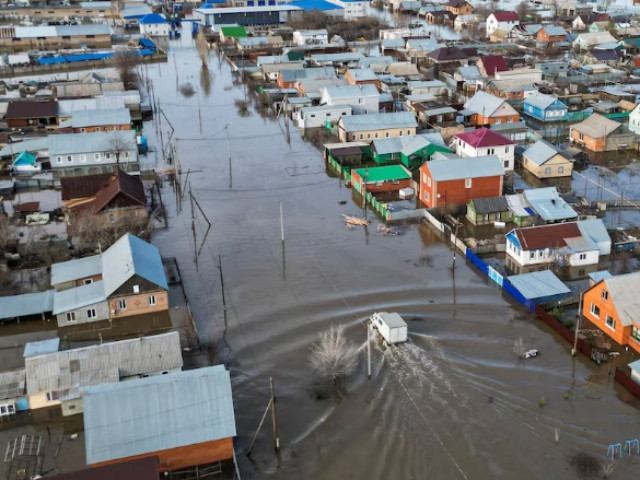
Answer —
383 174
234 32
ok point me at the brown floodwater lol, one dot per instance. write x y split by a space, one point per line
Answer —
452 403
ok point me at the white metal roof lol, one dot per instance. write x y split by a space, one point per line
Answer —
539 284
624 295
13 306
76 269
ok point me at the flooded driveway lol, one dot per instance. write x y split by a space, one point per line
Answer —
452 403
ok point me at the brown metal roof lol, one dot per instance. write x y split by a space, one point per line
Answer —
28 109
341 152
547 236
27 207
121 183
139 469
82 187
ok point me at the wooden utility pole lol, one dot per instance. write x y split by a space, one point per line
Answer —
224 302
229 152
255 435
281 224
274 419
574 350
369 349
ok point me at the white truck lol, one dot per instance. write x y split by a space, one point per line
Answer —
391 326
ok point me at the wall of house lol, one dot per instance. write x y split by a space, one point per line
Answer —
557 166
480 120
454 192
31 122
504 152
529 257
49 43
584 258
593 297
155 29
634 121
317 119
92 158
623 141
359 105
139 304
83 281
595 144
71 407
102 313
187 456
101 128
370 135
39 400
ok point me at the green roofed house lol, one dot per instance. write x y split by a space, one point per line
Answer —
411 151
26 163
230 34
388 178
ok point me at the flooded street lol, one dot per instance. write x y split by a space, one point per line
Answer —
452 403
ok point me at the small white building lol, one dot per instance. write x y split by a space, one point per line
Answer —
154 25
391 326
501 21
362 99
311 37
352 8
482 142
316 117
634 120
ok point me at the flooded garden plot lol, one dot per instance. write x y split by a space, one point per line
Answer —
454 402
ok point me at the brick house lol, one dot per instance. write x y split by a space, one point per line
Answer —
455 181
458 7
551 33
485 109
25 113
601 134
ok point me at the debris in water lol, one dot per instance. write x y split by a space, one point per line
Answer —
530 353
385 230
350 221
342 202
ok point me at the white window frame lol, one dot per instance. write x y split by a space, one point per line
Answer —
468 182
610 322
152 300
595 310
71 317
122 304
91 313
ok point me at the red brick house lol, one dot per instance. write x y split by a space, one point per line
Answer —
551 33
456 181
488 65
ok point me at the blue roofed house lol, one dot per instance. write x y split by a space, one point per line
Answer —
186 419
122 290
154 25
545 108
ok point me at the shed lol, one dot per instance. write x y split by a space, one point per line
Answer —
391 326
41 347
541 287
17 306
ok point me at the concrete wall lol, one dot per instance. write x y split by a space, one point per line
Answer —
39 400
102 313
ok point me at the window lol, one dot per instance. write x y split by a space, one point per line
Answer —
427 197
506 149
87 281
408 132
71 316
580 136
635 332
91 313
532 255
467 183
107 156
400 132
386 134
595 310
583 256
547 170
610 322
560 169
83 129
353 137
136 289
605 294
491 151
69 159
122 304
361 136
83 158
97 157
428 181
506 164
152 299
59 159
368 136
376 135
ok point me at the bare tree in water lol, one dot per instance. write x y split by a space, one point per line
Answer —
126 64
333 356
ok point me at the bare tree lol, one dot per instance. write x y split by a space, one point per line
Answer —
90 231
608 469
523 10
119 145
334 357
126 64
555 5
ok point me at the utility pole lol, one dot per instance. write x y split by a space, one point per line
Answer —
455 242
229 152
274 419
369 348
574 350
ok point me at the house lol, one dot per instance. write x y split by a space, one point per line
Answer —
570 9
450 57
504 36
585 41
545 108
185 419
439 17
26 163
527 32
634 120
488 65
12 393
311 37
433 113
405 70
459 7
606 56
272 70
62 377
154 25
454 181
383 179
600 134
486 211
553 68
486 109
52 37
337 60
583 21
113 196
124 289
320 115
501 21
411 151
289 78
362 76
362 99
433 87
551 34
573 244
483 142
512 89
544 161
138 469
377 125
465 22
613 305
81 153
33 114
548 205
82 121
230 34
540 287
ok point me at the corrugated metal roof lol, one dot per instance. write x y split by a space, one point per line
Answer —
546 236
596 126
483 103
67 107
379 121
83 29
27 304
483 137
35 32
458 168
548 204
337 57
71 372
351 91
362 74
596 231
600 275
624 295
27 145
77 297
490 205
540 100
158 413
91 118
540 152
539 284
43 346
12 384
408 145
76 269
72 143
384 173
131 256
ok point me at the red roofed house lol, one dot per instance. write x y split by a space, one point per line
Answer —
502 21
455 181
481 142
488 65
